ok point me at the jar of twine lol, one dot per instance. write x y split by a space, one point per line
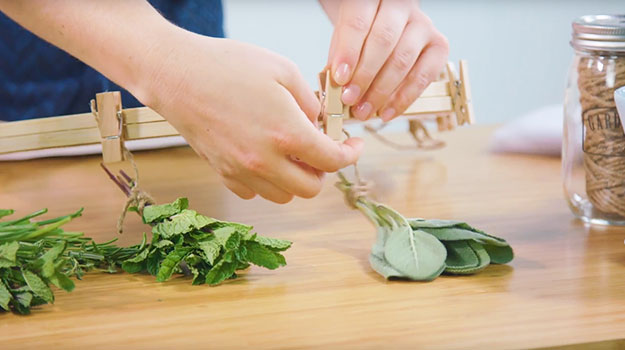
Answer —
593 152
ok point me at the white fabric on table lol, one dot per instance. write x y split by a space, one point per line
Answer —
133 145
537 132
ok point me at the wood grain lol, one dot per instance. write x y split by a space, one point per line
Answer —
565 288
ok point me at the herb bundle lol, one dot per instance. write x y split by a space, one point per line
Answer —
35 255
420 249
184 241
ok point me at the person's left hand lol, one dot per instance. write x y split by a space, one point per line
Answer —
385 53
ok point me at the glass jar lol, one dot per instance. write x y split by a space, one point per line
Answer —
593 143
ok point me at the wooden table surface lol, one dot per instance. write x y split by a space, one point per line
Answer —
566 285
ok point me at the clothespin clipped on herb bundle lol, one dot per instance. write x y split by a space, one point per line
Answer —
421 250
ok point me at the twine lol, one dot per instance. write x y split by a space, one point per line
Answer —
137 198
418 131
353 191
604 147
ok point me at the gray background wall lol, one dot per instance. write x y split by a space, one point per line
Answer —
518 51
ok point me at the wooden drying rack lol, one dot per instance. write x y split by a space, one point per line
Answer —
110 124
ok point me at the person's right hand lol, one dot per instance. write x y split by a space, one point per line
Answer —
247 111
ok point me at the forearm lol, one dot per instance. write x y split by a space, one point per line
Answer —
115 37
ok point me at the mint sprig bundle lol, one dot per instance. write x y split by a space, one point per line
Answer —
421 250
184 241
37 255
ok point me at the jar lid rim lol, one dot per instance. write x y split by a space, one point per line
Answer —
599 32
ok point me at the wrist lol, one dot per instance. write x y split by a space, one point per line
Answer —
153 62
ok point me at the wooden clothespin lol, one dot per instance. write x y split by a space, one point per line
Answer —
107 108
460 91
332 109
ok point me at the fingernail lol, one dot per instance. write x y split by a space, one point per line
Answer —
363 110
341 75
350 94
388 114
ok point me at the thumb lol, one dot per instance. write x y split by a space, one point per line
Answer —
292 79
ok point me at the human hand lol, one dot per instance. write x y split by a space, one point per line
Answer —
385 53
248 112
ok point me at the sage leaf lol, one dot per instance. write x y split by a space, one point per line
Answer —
477 251
416 254
381 266
457 234
499 255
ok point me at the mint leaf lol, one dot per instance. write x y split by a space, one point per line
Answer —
172 260
223 233
181 223
154 213
38 286
233 241
241 228
220 272
48 259
273 243
211 248
162 243
8 252
137 263
62 281
259 255
153 262
24 299
5 296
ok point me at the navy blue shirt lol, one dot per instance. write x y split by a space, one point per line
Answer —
39 80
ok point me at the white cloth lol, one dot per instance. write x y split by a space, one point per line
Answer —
537 132
132 145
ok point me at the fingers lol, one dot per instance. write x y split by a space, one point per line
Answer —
387 28
300 180
351 30
268 190
239 189
429 65
396 68
316 149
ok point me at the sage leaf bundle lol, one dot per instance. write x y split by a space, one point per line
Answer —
421 250
469 250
